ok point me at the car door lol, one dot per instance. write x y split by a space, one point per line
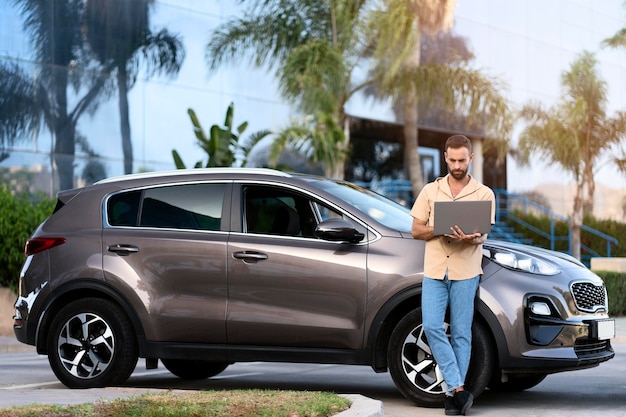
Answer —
286 287
167 246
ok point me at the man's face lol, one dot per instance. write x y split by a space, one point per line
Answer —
458 160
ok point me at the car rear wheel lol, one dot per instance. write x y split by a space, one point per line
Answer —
91 344
516 383
413 367
193 370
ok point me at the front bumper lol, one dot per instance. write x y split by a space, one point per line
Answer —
554 344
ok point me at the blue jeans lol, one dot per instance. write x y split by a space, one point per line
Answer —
453 354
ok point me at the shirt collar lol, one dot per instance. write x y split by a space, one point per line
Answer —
470 188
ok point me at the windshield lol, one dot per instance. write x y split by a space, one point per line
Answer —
383 210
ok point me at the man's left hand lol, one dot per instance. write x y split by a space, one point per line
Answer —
471 239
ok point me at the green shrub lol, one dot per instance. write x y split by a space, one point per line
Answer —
19 217
616 288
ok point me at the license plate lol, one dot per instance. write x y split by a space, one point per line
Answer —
602 329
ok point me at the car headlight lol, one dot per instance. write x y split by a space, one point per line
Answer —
521 262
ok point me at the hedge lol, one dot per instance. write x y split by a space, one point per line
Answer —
615 283
19 217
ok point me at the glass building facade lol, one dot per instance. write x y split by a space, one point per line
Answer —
527 44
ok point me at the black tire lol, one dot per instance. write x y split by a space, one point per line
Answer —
91 344
415 372
483 360
193 370
516 383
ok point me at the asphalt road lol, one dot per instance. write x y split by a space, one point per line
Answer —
26 378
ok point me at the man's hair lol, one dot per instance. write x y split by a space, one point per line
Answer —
458 141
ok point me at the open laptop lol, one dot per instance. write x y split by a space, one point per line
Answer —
470 215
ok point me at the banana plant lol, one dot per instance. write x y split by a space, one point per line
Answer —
224 146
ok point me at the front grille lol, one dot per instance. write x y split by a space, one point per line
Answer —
589 297
586 347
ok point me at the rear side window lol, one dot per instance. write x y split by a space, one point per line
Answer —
123 208
192 206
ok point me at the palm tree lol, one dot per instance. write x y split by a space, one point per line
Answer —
575 133
55 36
119 34
315 46
400 74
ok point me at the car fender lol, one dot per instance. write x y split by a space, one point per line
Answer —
70 291
384 322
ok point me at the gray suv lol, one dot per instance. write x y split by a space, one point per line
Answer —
202 268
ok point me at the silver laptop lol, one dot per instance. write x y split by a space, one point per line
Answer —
470 215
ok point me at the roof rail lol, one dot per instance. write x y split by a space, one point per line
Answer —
192 171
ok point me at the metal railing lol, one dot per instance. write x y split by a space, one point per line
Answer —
508 203
506 206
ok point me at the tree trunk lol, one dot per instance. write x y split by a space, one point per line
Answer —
64 146
411 144
589 189
127 145
577 220
337 166
411 140
64 150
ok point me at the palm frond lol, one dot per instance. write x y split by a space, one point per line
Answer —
163 53
20 110
314 77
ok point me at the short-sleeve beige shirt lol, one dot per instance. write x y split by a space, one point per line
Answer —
460 260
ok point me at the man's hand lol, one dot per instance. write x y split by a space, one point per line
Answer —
472 239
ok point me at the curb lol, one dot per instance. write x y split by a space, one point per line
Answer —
362 407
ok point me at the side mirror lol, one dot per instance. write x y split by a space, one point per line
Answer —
338 230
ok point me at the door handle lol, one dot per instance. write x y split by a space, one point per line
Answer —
250 256
122 249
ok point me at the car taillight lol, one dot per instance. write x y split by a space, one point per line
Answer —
40 244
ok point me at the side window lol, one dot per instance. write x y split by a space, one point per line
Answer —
193 206
122 208
277 211
326 213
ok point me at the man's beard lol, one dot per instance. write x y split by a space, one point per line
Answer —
458 174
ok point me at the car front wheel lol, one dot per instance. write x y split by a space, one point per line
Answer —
91 344
415 371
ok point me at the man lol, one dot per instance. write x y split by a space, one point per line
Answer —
452 269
